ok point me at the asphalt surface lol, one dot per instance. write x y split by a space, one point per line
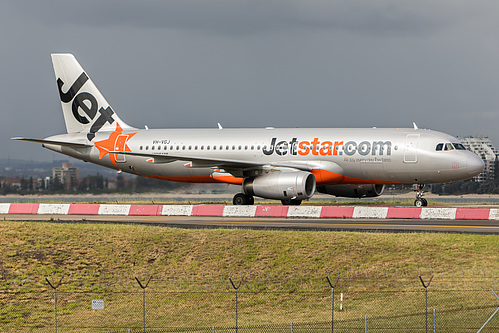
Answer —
308 224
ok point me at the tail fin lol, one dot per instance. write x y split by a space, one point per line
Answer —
85 108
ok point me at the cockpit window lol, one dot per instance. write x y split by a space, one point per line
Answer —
440 146
449 146
459 146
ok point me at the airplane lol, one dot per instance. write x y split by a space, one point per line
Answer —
290 165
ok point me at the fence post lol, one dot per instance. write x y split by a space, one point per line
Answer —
481 328
332 298
235 288
434 321
55 299
144 301
426 298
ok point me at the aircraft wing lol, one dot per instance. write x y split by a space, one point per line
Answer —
228 164
197 162
57 143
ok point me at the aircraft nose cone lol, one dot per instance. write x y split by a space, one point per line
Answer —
475 165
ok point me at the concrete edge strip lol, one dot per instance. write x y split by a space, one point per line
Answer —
357 212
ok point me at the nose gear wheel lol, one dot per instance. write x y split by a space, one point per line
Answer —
420 201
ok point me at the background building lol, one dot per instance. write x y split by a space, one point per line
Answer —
67 175
482 146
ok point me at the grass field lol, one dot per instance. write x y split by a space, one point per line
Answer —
83 253
42 247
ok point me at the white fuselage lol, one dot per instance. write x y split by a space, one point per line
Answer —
360 155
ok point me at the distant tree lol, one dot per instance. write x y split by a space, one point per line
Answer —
56 185
120 183
24 184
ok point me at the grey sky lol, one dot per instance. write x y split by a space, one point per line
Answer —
282 63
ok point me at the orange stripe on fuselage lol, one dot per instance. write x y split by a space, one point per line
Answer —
322 177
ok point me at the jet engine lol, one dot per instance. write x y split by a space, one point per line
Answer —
352 190
292 185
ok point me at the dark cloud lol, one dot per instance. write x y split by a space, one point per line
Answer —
230 17
283 63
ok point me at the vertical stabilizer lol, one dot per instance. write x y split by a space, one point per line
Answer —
85 108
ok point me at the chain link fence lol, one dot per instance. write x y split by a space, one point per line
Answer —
266 302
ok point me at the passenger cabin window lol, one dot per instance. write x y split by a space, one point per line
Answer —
440 146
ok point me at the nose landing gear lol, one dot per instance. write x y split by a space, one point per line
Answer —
420 201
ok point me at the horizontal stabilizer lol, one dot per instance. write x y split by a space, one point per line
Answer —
57 143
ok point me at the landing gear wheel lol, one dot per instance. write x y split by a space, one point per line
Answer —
420 201
243 199
291 202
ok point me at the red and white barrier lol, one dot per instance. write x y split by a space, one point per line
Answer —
346 212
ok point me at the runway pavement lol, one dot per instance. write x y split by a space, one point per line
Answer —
271 223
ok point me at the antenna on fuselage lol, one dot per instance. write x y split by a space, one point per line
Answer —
220 126
415 126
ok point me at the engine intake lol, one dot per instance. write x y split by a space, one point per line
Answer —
352 190
296 185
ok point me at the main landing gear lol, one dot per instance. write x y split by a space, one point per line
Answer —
291 202
420 201
243 199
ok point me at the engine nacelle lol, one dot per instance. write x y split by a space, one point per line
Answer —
352 190
297 185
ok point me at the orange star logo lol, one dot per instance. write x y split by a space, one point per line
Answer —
116 142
